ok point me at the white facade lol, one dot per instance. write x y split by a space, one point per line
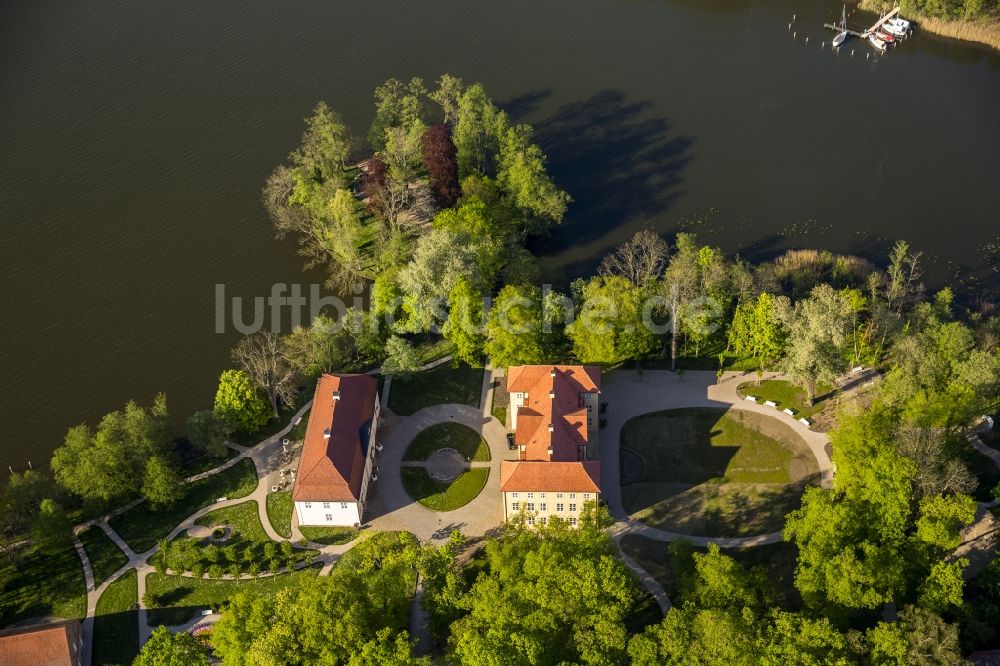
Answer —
341 514
540 506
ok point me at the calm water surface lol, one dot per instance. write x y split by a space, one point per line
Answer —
135 138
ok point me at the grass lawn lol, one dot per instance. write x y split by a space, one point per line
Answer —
456 436
242 518
778 559
143 525
711 472
45 584
330 536
501 401
786 394
444 496
440 385
116 623
105 557
279 512
181 598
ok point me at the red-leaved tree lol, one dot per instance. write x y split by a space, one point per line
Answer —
439 158
374 181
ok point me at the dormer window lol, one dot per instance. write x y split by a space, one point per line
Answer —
553 373
551 428
552 394
326 433
336 395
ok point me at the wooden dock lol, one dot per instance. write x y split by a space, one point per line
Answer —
863 35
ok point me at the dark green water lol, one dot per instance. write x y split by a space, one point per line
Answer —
135 137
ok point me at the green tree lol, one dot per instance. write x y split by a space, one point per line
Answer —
680 288
942 518
521 175
19 505
919 638
319 348
162 485
756 331
52 527
262 358
818 336
165 648
475 131
397 105
448 93
239 402
942 590
611 326
515 333
400 357
208 432
110 463
464 326
693 636
325 147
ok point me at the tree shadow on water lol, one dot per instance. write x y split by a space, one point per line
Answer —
616 158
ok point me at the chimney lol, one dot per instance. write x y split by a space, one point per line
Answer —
336 395
326 433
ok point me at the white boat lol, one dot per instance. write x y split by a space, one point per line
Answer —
842 35
877 42
902 23
894 30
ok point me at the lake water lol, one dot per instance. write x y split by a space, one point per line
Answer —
136 136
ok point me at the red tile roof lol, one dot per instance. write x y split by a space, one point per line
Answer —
552 401
544 476
41 645
331 469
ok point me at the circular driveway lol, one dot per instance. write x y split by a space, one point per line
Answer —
391 508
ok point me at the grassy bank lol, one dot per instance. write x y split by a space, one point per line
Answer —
981 31
279 512
42 584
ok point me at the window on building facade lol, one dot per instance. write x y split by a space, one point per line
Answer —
513 506
572 495
559 506
343 505
586 496
309 505
542 508
542 495
531 506
542 520
572 521
531 520
326 505
514 495
572 507
531 495
329 517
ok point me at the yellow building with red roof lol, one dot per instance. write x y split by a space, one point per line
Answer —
554 415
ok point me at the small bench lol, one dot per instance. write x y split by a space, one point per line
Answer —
806 422
790 412
750 398
771 403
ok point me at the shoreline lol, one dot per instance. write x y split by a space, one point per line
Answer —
985 32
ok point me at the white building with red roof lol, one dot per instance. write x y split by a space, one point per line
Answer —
337 457
554 414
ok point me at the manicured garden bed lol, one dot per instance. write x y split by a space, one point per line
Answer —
439 496
440 385
243 518
105 557
279 512
180 598
44 583
330 536
116 622
456 436
143 525
711 472
787 395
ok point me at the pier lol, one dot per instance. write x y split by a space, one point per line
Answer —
863 35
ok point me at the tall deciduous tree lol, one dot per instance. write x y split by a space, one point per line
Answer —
165 648
208 432
262 359
514 331
756 330
397 105
521 175
464 327
475 131
681 288
161 484
439 159
610 327
447 95
326 146
640 260
400 356
238 400
110 463
52 527
918 638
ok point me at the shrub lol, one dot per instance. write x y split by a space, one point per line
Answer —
198 569
215 571
286 549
